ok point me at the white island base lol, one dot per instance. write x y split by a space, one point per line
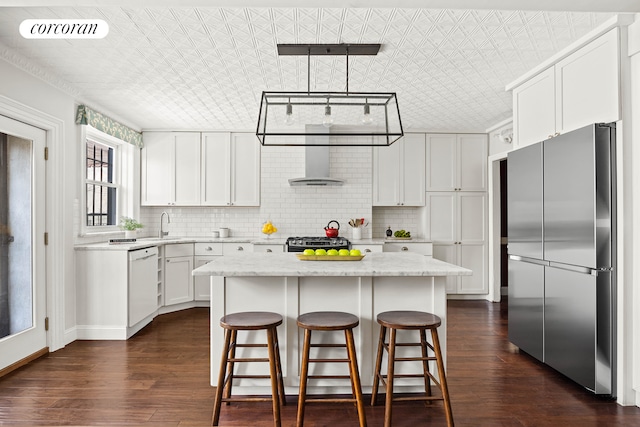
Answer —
283 284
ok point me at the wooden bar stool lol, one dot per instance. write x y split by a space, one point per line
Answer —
250 321
330 321
412 320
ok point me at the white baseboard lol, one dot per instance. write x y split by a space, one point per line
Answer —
90 332
70 335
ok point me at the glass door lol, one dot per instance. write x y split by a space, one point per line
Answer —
22 248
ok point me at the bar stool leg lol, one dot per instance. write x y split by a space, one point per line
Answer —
274 377
390 369
425 362
304 370
230 365
221 377
355 376
376 372
443 378
283 400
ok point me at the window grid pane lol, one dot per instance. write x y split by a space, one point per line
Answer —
99 162
100 187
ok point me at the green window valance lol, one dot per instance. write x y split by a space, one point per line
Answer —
87 116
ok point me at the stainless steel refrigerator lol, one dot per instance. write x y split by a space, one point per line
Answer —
561 243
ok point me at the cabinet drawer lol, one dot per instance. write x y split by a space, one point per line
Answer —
418 248
368 248
206 249
180 249
236 248
268 248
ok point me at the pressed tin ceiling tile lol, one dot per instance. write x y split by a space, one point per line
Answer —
205 68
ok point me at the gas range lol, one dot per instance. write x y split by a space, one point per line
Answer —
299 244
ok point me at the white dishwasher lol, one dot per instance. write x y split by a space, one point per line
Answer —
143 283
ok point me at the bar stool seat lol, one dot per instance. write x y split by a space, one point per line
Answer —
329 321
250 321
410 320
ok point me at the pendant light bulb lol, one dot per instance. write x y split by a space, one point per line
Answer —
328 118
288 120
366 118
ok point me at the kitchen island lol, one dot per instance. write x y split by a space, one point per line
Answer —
284 284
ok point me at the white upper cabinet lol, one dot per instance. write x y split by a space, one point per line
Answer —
398 172
587 85
456 162
245 169
581 89
230 169
534 107
200 169
216 169
170 169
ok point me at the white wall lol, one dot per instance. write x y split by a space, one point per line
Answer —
633 332
26 89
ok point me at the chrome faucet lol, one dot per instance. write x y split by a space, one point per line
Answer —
163 233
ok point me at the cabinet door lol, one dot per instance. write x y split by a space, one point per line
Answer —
447 253
155 169
186 164
472 217
201 284
587 85
216 169
412 169
534 109
386 175
178 281
473 257
472 162
441 162
245 170
441 217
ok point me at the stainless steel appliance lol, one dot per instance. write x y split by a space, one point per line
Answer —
299 244
561 228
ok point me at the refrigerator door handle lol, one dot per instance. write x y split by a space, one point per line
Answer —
574 268
528 260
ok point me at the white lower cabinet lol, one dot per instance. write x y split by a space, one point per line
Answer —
204 253
422 248
469 255
456 222
113 304
365 249
178 280
236 248
268 248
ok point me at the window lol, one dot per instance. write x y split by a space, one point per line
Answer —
107 182
101 186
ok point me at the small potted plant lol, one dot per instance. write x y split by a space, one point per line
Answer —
129 225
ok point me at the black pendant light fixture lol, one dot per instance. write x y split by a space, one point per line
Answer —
363 119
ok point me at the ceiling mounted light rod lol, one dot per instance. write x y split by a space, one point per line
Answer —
328 118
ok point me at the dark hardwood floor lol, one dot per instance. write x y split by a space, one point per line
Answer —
160 377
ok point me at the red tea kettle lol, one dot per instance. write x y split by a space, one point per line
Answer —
332 232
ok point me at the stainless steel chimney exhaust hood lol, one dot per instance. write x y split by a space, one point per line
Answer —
316 171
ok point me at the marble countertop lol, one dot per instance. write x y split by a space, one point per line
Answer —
146 242
287 264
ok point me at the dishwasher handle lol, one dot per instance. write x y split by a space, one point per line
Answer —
142 254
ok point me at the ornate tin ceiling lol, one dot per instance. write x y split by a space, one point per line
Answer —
206 67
